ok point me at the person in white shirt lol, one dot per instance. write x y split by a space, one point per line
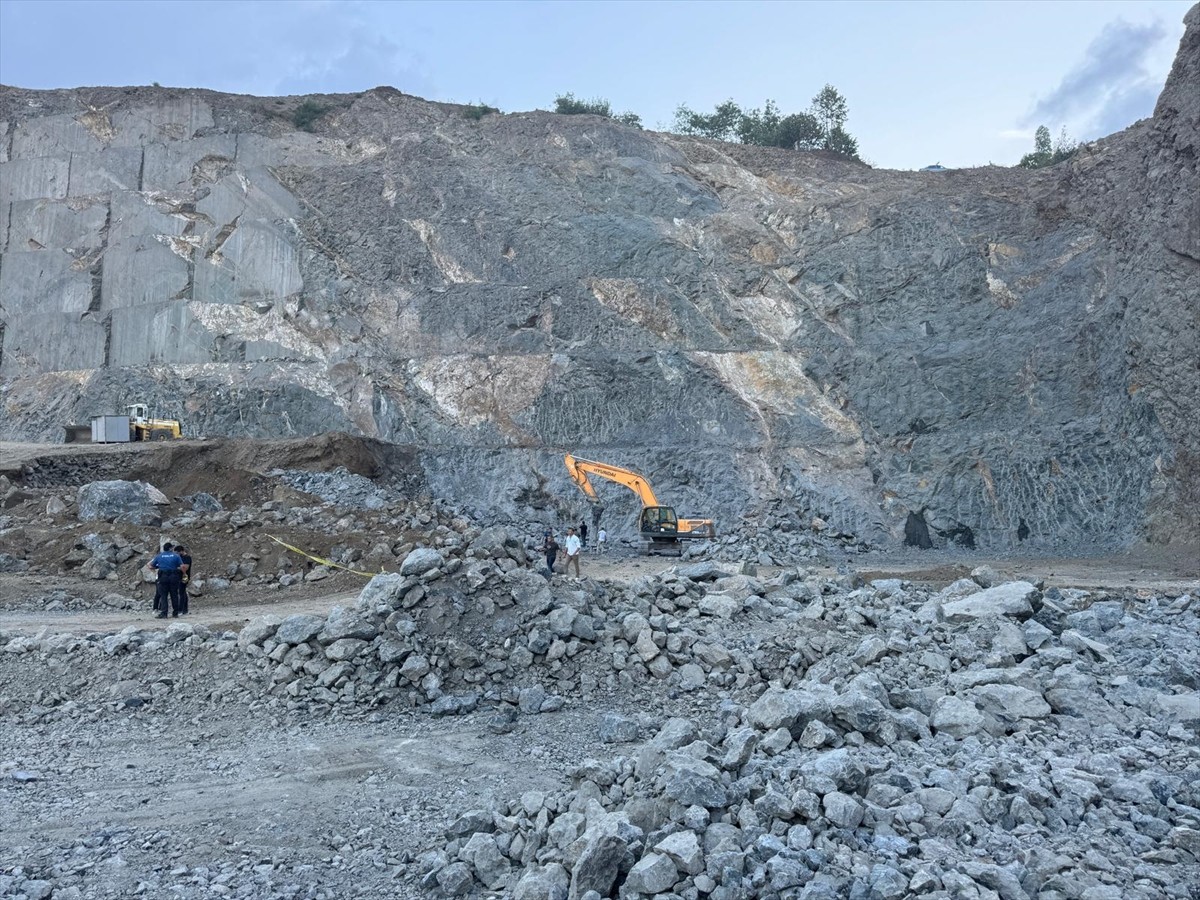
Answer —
602 541
574 548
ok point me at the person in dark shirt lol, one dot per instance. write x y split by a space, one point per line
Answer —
185 577
550 548
169 567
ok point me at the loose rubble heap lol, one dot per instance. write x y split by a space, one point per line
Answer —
358 525
974 743
793 736
345 518
339 486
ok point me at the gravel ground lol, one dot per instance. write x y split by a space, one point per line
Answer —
943 725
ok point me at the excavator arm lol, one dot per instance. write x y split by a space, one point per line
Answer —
581 468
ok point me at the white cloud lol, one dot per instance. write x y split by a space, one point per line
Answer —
1110 88
325 47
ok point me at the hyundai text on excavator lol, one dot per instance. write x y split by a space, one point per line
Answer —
659 528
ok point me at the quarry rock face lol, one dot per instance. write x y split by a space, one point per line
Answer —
986 357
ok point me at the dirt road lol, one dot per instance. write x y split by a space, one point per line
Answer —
232 609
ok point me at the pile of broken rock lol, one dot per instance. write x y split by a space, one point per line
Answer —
974 743
804 736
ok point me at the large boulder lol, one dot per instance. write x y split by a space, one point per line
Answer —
134 502
383 590
420 561
793 709
693 782
1009 701
1016 598
258 630
543 883
605 852
957 717
346 623
299 629
498 542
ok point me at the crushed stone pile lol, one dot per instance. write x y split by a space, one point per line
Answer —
339 486
797 736
971 743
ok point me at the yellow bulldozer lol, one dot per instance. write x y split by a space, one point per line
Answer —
144 428
659 529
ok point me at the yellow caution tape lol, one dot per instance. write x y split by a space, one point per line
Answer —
324 562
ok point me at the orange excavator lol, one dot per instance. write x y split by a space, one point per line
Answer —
659 528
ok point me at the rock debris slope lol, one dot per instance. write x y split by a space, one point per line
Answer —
700 732
986 356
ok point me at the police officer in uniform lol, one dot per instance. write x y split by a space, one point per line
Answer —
169 567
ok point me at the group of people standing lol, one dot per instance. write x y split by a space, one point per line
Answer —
173 565
573 546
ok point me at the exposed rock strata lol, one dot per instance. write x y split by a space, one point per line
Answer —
988 355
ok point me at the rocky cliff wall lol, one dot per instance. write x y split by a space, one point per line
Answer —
991 355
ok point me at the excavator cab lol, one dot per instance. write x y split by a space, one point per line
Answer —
659 520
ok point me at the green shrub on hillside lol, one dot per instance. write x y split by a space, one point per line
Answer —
477 111
1047 154
570 105
306 114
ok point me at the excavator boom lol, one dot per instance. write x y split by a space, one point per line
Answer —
581 468
658 525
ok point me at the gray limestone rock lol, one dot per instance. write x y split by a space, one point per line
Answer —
739 746
204 503
617 729
345 648
887 883
859 711
10 563
778 708
654 873
842 810
420 561
549 882
1009 701
956 717
691 677
470 822
415 668
838 769
531 699
605 848
135 502
382 590
1011 599
703 571
683 848
344 622
299 629
455 880
693 782
258 630
392 650
485 858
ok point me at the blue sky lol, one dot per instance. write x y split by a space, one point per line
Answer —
960 83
